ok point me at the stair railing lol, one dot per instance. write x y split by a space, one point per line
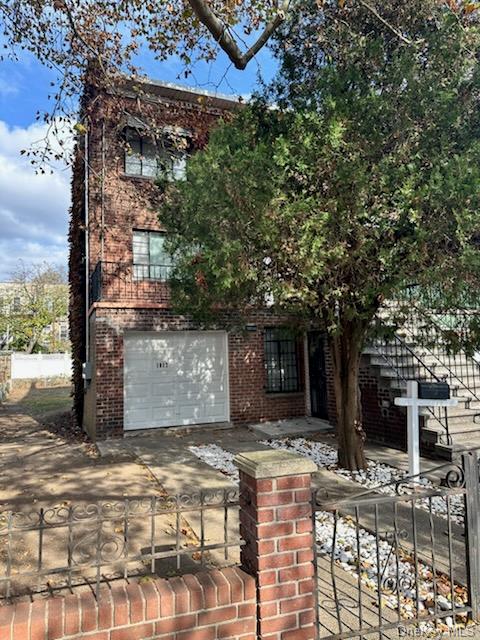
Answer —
435 340
407 365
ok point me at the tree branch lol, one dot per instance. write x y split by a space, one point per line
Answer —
219 31
399 35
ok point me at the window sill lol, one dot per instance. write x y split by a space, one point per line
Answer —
277 394
132 176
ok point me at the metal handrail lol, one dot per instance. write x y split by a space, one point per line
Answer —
403 347
129 280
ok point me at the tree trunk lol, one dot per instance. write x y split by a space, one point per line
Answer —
31 344
346 351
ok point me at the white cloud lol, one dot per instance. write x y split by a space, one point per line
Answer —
33 207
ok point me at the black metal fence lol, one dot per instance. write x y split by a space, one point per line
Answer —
404 361
65 546
400 559
127 281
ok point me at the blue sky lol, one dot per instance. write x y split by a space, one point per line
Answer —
34 208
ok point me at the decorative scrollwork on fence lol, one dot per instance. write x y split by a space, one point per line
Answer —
454 478
98 547
123 535
401 584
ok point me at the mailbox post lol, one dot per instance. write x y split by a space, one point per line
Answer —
413 403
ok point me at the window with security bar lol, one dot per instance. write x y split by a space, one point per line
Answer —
281 361
150 259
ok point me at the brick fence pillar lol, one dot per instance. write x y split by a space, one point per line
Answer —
277 526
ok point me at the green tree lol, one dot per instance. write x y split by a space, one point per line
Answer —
35 301
363 178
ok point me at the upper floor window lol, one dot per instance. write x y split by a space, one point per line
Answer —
148 158
150 260
17 304
281 361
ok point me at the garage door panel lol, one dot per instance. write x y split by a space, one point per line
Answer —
175 378
138 415
138 390
191 412
217 411
163 413
164 389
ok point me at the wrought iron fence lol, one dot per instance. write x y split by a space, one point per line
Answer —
126 281
65 546
400 559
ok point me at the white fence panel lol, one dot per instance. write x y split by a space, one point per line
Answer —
40 365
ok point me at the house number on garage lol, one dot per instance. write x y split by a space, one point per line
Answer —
162 365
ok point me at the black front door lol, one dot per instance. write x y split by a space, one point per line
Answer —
318 377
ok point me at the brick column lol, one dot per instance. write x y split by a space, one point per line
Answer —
276 524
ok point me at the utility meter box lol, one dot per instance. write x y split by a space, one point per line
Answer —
87 371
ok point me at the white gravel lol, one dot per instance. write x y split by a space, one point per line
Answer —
346 547
218 458
378 476
347 551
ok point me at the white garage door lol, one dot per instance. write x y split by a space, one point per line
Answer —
175 378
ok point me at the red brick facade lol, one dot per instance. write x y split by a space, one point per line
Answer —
383 422
103 219
117 205
249 401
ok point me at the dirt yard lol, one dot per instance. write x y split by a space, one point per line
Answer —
43 460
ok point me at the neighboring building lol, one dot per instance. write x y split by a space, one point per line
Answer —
143 365
21 305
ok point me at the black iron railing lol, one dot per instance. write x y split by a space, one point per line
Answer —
406 365
62 547
128 281
399 556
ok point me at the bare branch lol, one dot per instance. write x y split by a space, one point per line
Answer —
225 40
399 35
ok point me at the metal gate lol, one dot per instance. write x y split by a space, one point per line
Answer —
403 559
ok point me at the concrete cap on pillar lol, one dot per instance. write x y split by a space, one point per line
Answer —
273 463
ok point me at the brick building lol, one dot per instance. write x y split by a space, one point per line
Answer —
137 364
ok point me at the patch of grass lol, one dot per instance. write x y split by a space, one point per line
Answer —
40 402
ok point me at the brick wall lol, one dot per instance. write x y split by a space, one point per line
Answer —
383 422
121 203
206 606
117 204
249 400
277 525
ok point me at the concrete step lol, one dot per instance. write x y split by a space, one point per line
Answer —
455 424
412 373
458 413
454 451
387 349
460 443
